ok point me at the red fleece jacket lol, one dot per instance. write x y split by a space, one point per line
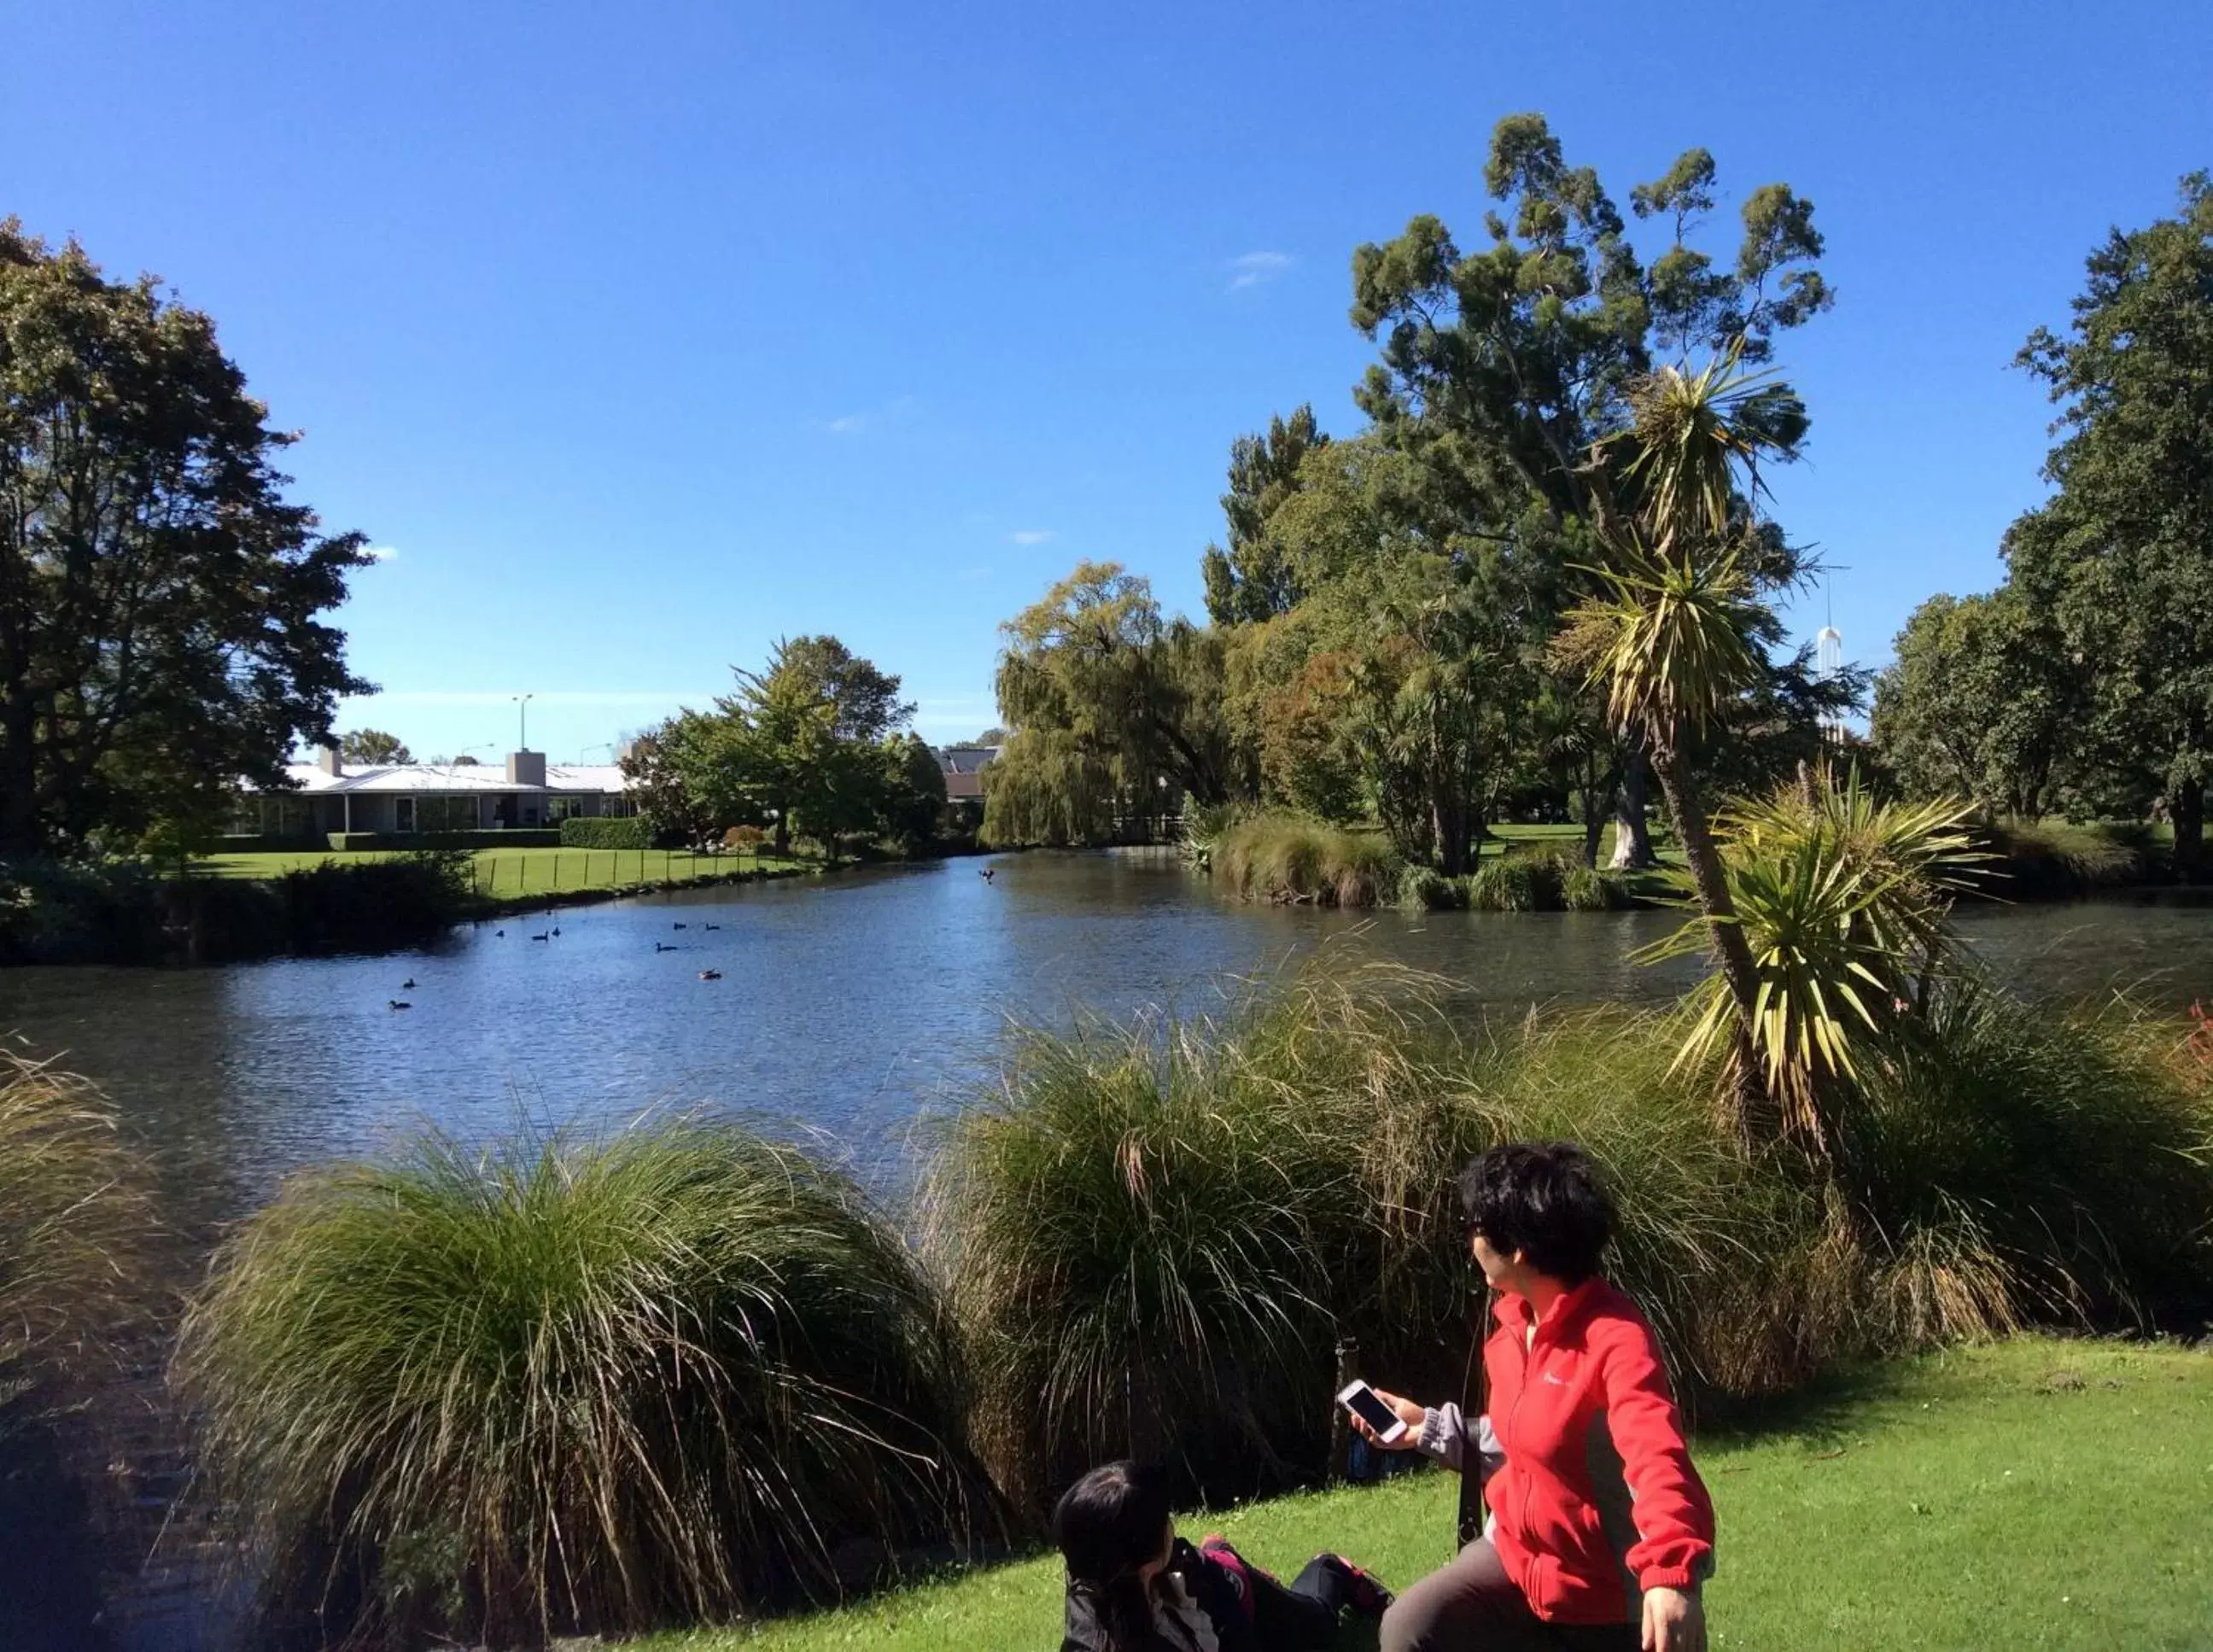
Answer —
1598 1501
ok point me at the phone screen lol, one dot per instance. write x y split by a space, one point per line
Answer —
1363 1402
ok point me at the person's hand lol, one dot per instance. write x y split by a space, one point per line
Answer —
1675 1621
1408 1413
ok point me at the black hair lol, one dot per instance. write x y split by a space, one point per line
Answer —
1108 1524
1543 1200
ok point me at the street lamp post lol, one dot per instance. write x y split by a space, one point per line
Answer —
523 720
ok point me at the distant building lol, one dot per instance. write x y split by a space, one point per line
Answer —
329 794
964 767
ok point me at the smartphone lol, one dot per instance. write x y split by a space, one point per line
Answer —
1360 1400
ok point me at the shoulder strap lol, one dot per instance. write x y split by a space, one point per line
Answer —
1474 1400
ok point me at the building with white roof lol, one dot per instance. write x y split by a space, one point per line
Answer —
329 794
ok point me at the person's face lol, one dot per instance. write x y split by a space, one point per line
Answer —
1500 1271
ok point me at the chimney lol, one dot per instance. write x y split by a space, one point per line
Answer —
327 760
526 768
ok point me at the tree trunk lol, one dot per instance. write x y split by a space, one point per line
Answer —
2188 809
1633 842
1739 973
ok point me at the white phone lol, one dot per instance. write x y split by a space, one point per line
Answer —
1361 1401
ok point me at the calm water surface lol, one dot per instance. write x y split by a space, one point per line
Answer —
847 1007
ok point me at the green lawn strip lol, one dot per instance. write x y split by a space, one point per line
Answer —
506 874
2042 1493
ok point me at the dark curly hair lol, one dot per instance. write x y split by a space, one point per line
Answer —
1543 1200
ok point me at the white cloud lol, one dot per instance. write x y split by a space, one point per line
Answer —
970 576
1032 536
381 552
850 424
891 414
1251 268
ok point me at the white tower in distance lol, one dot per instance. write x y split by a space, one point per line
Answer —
1829 661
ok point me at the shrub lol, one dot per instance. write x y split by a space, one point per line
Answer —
569 1387
607 831
1423 888
2045 858
74 1218
748 839
1283 858
1511 883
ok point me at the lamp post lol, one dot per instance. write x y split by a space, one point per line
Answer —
523 720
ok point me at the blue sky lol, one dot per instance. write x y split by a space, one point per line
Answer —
640 335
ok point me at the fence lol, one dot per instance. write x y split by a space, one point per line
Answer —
556 871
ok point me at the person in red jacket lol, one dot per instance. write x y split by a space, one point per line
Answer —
1600 1531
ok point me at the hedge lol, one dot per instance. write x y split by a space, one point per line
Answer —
513 838
606 832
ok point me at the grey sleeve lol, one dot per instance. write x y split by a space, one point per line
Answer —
1445 1436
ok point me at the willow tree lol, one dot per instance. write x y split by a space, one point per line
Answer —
1116 712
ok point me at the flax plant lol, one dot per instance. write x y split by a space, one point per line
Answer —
1843 904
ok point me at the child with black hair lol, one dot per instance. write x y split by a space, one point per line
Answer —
1135 1585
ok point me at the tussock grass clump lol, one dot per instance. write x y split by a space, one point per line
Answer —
2057 858
1153 1229
2025 1166
1285 857
1156 1232
569 1386
1542 878
74 1218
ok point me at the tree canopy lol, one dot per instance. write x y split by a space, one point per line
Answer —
373 747
813 743
2121 557
162 599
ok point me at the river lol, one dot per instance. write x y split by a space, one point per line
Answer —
847 1006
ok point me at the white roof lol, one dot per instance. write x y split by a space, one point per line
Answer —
416 777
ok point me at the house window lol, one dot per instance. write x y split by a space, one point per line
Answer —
403 814
563 808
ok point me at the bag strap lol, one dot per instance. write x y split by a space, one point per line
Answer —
1474 1400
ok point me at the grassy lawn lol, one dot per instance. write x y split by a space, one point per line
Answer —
2037 1494
513 873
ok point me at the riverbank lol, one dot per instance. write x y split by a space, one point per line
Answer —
1956 1501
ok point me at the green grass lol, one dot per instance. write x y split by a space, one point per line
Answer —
2037 1493
505 874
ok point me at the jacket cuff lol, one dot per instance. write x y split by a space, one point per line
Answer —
1669 1577
1440 1436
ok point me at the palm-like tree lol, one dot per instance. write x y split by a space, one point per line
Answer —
1671 635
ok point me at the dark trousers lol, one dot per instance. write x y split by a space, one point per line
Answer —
1303 1616
1471 1605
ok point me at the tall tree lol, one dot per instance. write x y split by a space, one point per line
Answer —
1254 578
2122 554
1501 368
373 747
161 600
801 740
1982 702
